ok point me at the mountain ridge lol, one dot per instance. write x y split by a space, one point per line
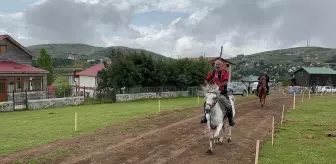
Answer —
278 63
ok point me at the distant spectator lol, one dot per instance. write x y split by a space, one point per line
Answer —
293 81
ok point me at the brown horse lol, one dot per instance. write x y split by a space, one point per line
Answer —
262 90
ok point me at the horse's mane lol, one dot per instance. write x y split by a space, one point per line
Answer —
210 88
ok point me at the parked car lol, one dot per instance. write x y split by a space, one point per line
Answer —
325 89
254 87
237 88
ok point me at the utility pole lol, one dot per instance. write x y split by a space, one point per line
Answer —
308 42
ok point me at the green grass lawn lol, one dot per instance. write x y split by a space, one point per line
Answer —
26 129
303 138
61 79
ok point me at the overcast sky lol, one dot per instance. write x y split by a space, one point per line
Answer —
173 27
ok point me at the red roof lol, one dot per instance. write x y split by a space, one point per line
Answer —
3 36
92 71
12 67
16 43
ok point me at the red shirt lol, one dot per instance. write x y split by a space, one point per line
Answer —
219 77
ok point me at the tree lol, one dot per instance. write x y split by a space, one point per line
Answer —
122 73
140 69
44 62
61 62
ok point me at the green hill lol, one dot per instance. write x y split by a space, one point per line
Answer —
125 50
282 63
278 63
84 52
80 51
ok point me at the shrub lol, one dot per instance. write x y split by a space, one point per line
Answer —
63 91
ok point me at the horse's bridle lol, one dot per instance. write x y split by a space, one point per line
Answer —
213 104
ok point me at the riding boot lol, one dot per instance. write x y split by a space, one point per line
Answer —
230 117
229 111
204 120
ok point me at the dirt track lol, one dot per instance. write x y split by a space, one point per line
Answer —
169 137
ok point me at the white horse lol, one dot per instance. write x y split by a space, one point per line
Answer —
215 115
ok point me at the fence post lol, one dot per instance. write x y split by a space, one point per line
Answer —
48 94
100 96
26 99
84 92
13 96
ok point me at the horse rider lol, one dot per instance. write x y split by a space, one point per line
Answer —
220 77
267 80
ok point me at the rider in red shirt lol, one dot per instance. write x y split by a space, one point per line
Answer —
220 77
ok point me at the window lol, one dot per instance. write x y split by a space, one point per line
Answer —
18 84
3 48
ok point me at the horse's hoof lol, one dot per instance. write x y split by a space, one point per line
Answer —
229 140
208 152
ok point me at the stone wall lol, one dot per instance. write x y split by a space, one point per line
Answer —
55 102
73 101
42 104
6 106
151 95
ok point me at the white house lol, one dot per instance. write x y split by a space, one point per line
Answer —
71 57
87 79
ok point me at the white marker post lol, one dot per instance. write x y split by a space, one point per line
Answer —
331 90
198 100
273 130
75 121
282 115
294 100
309 95
159 105
302 97
257 153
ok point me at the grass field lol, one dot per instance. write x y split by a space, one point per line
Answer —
60 80
303 138
26 129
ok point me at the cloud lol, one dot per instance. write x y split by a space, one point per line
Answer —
241 26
